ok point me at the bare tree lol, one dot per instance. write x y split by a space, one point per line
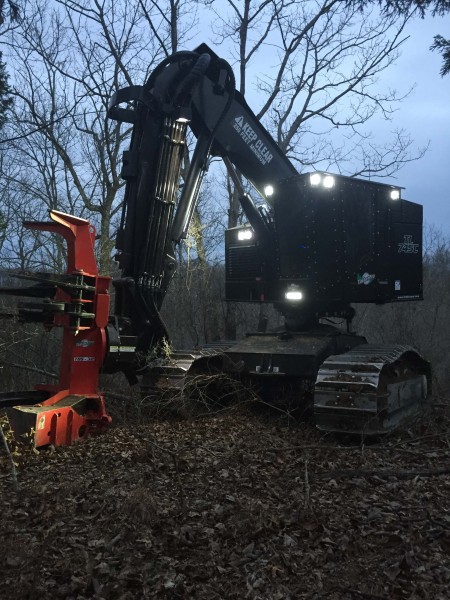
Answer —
321 87
9 7
433 7
68 61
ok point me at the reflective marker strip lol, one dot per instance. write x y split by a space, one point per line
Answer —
122 348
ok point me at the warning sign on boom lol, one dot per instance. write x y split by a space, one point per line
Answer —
250 137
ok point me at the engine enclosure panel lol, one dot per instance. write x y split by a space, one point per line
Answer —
348 243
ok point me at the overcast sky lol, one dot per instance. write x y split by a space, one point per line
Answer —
426 115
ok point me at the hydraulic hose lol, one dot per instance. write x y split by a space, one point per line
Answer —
194 76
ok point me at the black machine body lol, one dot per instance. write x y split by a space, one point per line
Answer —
349 241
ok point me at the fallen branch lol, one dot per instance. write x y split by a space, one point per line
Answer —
174 457
31 369
116 396
11 460
359 594
399 474
359 447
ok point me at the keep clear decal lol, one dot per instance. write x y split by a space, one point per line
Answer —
408 246
365 279
250 137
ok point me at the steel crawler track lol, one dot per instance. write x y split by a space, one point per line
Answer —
370 389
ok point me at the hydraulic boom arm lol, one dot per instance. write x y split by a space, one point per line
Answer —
189 88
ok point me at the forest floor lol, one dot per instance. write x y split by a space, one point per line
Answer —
232 505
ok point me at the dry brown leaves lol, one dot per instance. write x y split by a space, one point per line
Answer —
231 506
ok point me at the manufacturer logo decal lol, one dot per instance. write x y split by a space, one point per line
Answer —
408 246
84 359
250 137
365 279
84 344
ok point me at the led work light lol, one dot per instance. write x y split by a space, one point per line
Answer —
245 234
293 293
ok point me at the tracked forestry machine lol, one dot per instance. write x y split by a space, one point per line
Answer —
320 243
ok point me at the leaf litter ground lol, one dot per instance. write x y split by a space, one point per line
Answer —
233 505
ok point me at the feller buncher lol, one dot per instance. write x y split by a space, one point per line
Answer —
320 243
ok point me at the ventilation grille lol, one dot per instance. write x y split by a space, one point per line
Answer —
243 262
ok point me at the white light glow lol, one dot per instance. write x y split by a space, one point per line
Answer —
268 190
395 194
328 181
315 178
245 234
293 293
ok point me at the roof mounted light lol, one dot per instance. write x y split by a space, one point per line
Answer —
268 190
328 181
315 179
395 194
321 179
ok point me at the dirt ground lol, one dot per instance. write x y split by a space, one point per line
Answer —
233 505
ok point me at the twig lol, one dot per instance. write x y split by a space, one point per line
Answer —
273 492
359 447
8 452
31 369
419 439
200 447
225 409
399 473
117 396
363 594
174 458
180 486
307 487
